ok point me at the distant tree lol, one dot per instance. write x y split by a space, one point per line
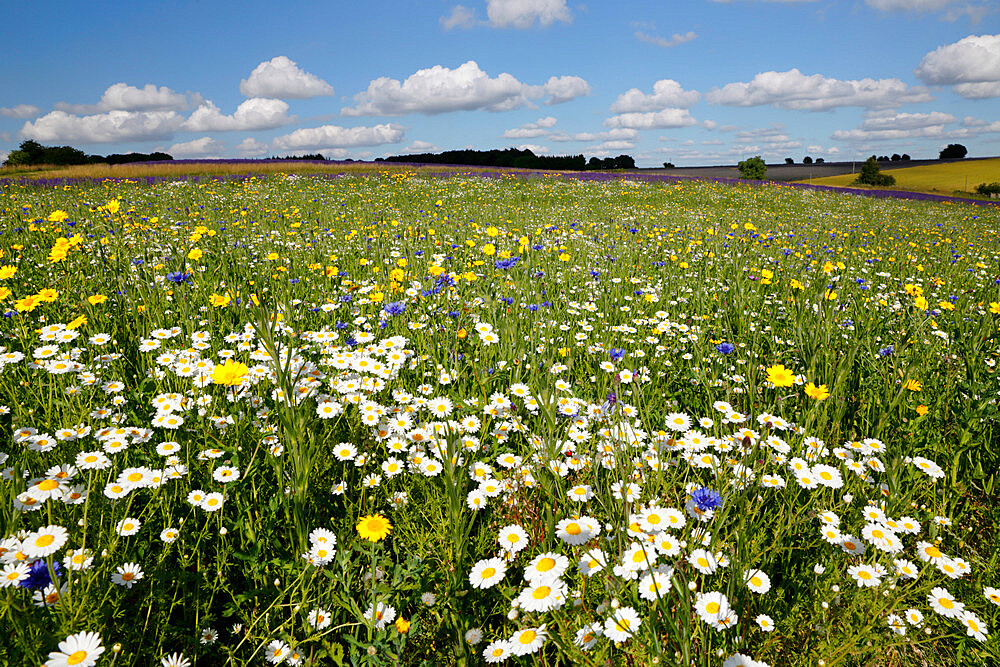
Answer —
752 169
896 157
624 162
594 163
668 165
870 174
904 157
953 151
789 160
820 160
991 190
807 160
883 158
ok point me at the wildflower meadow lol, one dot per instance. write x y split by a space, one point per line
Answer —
409 419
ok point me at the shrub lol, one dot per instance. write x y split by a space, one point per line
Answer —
752 169
870 174
988 189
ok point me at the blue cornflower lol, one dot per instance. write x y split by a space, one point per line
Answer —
725 348
616 354
38 576
886 351
706 499
178 277
394 308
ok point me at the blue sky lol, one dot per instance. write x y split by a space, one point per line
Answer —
688 81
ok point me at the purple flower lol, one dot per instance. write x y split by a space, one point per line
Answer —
394 308
725 348
706 499
616 354
38 576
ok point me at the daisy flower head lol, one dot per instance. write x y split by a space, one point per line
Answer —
497 651
128 526
765 623
864 575
577 531
45 541
319 618
655 584
381 614
82 649
487 573
542 596
13 574
528 640
622 624
974 626
587 636
175 660
277 651
545 567
944 603
711 606
127 575
513 538
758 581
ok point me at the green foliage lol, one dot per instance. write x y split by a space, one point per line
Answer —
753 169
953 151
871 174
988 189
30 152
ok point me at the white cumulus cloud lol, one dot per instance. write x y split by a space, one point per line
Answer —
565 88
524 13
651 120
666 93
123 97
205 147
20 111
460 17
971 65
281 78
674 40
540 128
910 5
334 136
113 126
441 89
795 90
257 113
906 121
616 134
419 146
250 147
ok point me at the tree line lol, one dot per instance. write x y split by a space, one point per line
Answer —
517 158
30 153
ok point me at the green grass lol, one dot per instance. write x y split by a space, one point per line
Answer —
943 179
387 356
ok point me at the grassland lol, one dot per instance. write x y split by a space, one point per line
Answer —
398 420
186 169
947 178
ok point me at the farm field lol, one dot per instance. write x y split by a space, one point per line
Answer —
401 418
944 179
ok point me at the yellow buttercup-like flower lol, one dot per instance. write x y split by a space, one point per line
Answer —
780 376
374 528
819 393
230 373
